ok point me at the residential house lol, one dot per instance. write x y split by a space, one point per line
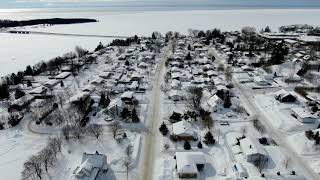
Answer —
62 75
215 103
127 97
303 115
252 150
284 96
183 130
115 107
92 166
190 164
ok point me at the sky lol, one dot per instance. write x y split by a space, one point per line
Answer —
162 3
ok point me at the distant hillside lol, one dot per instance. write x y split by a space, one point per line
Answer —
53 21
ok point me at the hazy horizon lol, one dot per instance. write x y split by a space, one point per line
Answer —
179 4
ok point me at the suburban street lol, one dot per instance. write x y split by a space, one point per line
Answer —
152 123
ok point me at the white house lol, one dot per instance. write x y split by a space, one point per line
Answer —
189 164
127 97
92 166
303 115
253 150
183 130
215 103
115 107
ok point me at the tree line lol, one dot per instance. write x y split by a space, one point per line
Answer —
52 21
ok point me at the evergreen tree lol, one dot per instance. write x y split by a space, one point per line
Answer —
208 138
28 71
29 84
187 145
134 116
267 29
124 113
18 93
127 63
124 135
4 91
199 145
188 57
154 36
99 47
103 101
15 79
189 47
227 101
108 101
163 129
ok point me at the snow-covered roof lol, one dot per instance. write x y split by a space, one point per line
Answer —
63 75
187 161
302 113
88 88
175 75
128 95
116 103
212 73
23 100
51 83
91 164
251 146
282 93
175 83
105 74
79 96
182 128
134 84
38 90
214 101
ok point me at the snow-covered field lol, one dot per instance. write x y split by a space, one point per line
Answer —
17 51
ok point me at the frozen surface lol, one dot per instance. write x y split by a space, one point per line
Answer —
17 51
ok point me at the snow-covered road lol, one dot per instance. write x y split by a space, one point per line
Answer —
152 123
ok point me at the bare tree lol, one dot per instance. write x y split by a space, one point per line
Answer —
47 157
287 162
260 163
127 160
32 168
95 129
80 51
115 127
257 124
220 67
228 73
55 145
244 130
66 132
194 96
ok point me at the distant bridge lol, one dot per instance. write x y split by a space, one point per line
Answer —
63 34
